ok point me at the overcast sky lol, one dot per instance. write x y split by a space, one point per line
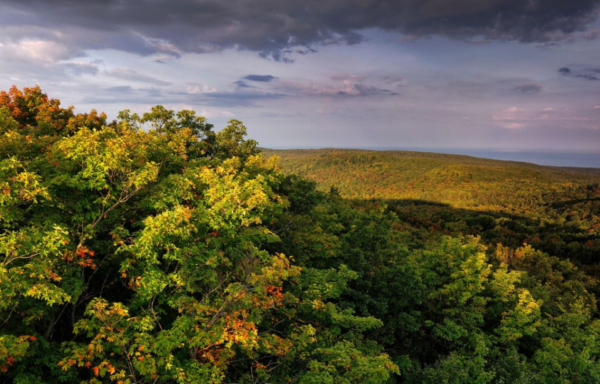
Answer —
506 74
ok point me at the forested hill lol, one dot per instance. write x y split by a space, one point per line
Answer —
461 181
555 209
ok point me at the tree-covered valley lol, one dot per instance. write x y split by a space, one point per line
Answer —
157 249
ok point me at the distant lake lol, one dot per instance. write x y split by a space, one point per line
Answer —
559 159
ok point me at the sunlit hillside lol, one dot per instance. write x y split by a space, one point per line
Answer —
461 181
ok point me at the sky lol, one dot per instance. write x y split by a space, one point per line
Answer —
481 74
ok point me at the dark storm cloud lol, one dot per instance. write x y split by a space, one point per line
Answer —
280 28
260 78
528 88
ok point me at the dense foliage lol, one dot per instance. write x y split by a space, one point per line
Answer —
553 209
152 249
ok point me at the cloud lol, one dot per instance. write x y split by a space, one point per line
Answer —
34 50
78 69
199 89
260 78
128 95
239 99
196 94
589 77
334 86
153 92
242 84
528 88
121 89
517 118
244 94
240 94
587 74
392 79
161 46
338 86
281 29
130 74
513 125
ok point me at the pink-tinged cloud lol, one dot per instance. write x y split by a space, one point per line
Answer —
198 89
517 118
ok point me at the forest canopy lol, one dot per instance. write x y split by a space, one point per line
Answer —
153 249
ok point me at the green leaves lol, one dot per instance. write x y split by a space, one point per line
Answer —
344 364
7 123
18 189
30 264
154 250
230 142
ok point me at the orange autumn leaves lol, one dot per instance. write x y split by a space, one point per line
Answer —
32 109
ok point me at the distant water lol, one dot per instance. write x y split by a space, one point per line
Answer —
559 159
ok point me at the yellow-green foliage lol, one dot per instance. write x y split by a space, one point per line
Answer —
460 181
154 250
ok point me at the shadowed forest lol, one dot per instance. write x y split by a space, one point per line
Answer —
155 249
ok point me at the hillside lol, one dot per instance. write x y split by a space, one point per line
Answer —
460 181
555 209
